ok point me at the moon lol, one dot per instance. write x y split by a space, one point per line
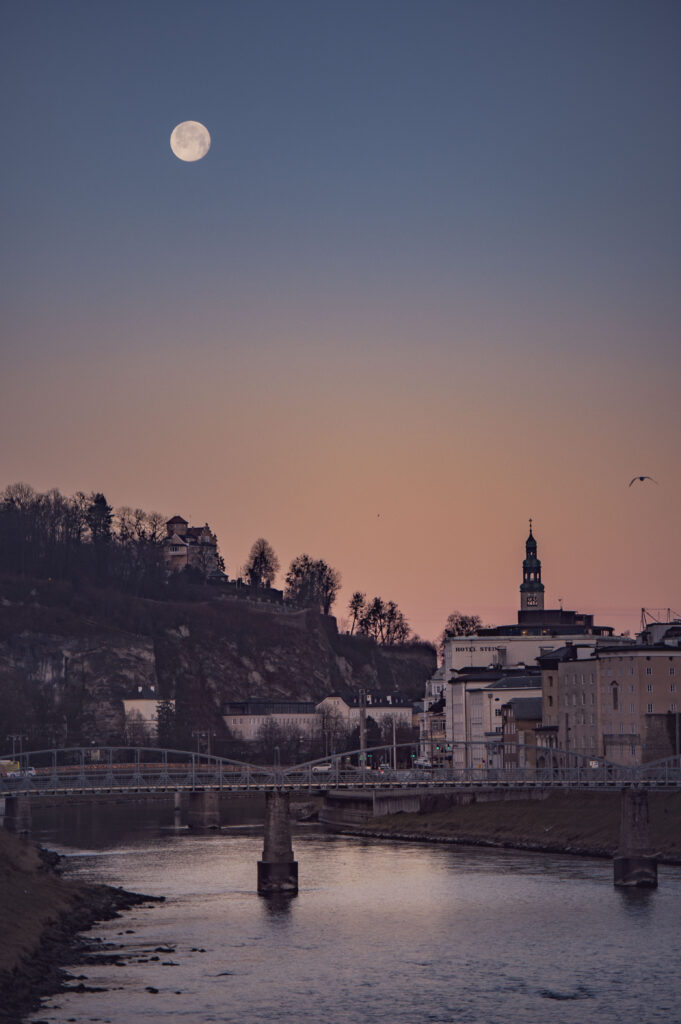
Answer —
190 140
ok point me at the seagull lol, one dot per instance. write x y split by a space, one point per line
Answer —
641 478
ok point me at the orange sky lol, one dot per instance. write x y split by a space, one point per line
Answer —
423 286
414 476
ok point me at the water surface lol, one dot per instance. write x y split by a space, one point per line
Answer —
380 932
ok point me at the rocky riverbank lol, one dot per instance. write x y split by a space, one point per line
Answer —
565 822
42 915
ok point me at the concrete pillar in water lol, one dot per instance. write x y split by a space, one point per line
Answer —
634 863
277 871
204 810
17 813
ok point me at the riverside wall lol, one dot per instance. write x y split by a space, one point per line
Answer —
543 820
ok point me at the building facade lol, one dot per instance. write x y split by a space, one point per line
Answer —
620 704
186 546
474 713
538 630
334 716
519 720
478 672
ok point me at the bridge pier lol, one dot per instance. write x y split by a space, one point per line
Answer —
634 863
17 813
204 810
277 871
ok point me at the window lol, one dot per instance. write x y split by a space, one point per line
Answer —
593 698
672 687
649 670
621 728
583 698
633 748
615 697
574 699
650 709
672 707
649 687
672 670
632 708
550 701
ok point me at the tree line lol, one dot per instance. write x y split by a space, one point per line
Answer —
82 538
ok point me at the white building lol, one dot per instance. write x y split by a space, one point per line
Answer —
334 714
473 713
140 713
503 652
538 630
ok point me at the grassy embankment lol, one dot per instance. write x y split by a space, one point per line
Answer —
585 823
41 914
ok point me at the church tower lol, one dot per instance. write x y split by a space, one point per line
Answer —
532 588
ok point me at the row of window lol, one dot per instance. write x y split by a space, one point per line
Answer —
617 668
650 710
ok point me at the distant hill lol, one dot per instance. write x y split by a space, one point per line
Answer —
70 655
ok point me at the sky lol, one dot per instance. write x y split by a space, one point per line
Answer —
423 286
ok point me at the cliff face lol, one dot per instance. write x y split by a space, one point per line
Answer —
68 659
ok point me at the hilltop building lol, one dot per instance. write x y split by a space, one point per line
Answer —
190 546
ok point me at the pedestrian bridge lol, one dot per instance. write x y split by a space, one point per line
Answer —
82 770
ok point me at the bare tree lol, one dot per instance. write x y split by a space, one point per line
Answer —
356 607
311 583
384 622
458 624
262 564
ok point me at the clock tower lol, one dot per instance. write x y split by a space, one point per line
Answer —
532 588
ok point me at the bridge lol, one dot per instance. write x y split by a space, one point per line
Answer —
78 771
75 771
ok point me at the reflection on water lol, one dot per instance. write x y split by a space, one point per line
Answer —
398 933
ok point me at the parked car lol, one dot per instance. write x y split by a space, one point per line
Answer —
21 773
322 769
423 764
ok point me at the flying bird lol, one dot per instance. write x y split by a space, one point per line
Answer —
641 478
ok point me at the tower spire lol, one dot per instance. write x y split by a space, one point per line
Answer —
532 588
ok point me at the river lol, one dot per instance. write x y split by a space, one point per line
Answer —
399 933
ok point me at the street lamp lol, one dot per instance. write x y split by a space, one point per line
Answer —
16 737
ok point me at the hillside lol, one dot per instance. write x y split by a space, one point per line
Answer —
69 656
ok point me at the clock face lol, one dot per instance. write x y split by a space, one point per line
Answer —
531 600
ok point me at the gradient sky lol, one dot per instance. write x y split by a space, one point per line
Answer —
424 285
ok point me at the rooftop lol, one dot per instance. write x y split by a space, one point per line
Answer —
526 708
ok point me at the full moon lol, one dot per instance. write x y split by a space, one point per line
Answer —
190 140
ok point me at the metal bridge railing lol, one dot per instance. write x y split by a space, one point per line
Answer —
66 771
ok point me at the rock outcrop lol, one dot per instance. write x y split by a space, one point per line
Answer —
73 657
